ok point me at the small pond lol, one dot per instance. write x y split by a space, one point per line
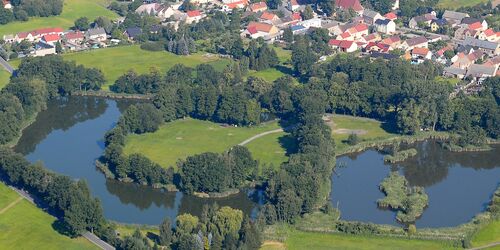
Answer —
68 138
459 185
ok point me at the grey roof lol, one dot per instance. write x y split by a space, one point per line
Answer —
327 25
370 13
133 32
478 70
471 20
416 40
440 22
480 43
382 21
42 45
96 32
448 14
454 71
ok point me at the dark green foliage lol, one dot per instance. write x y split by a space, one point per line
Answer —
165 236
355 227
140 118
132 83
27 8
353 139
82 24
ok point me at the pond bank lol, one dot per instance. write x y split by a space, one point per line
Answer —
112 95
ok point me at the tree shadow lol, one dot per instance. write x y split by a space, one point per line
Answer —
62 228
289 143
152 236
284 69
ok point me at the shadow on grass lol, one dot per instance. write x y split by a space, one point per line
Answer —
289 143
62 228
153 237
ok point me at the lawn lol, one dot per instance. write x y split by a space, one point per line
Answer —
487 234
367 129
269 75
4 78
116 61
181 138
72 10
455 4
25 226
275 150
310 240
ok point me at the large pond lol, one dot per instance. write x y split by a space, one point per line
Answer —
459 185
68 138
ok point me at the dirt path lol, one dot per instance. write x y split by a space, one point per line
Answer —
260 135
11 205
486 246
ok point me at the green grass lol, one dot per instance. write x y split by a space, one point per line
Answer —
25 226
455 4
487 234
296 239
370 129
274 151
179 139
269 75
72 10
4 78
116 61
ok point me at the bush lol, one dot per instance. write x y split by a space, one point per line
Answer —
353 139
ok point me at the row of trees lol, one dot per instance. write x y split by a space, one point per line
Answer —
23 9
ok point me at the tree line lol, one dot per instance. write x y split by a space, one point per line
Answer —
23 9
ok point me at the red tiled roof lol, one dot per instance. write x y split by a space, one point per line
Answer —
47 31
296 16
258 6
349 4
74 35
475 26
252 30
489 32
237 4
263 27
23 35
420 51
51 38
361 27
334 42
267 15
391 16
345 44
345 35
193 13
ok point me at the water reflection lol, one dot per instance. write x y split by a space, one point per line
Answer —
68 138
459 185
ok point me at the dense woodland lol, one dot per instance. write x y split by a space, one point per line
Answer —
23 9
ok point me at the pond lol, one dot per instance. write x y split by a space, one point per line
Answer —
68 138
459 185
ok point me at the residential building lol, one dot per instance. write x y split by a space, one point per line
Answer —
293 5
472 21
96 34
480 72
423 20
133 33
437 24
454 72
454 18
193 16
385 26
258 29
489 35
258 7
391 16
370 16
350 4
416 42
269 17
51 39
6 4
490 48
344 46
74 37
229 5
419 55
313 22
43 49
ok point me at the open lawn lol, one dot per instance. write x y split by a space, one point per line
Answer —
269 75
4 78
181 138
275 149
318 241
116 61
366 129
455 4
487 235
24 226
72 10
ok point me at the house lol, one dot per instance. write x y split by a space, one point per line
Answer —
463 33
290 20
313 22
476 23
331 26
21 36
358 31
475 26
350 4
438 24
293 5
193 16
298 29
370 16
385 26
421 54
489 35
344 46
51 39
395 5
373 37
490 48
133 33
394 42
416 42
39 33
463 61
149 9
454 72
391 16
377 47
258 7
6 4
229 5
96 34
454 18
480 72
269 17
423 20
43 49
258 29
74 37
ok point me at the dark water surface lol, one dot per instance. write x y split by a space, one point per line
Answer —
459 185
68 138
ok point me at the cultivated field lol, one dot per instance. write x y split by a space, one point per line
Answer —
24 226
181 138
366 129
115 61
72 10
455 4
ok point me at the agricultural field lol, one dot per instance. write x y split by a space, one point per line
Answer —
181 138
116 61
72 10
366 129
4 78
25 226
318 241
455 4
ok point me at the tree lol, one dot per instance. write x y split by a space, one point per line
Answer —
165 236
308 13
82 24
6 16
352 139
327 6
288 35
228 221
186 224
274 4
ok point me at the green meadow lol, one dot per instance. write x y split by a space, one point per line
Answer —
182 138
72 10
24 226
455 4
4 78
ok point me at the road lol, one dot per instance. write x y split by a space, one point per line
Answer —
6 65
486 246
260 135
87 235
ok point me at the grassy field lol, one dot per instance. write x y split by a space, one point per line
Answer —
455 4
115 61
488 234
25 226
72 10
318 241
179 139
4 78
269 75
367 129
275 148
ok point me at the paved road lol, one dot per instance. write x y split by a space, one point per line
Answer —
6 65
260 135
87 235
